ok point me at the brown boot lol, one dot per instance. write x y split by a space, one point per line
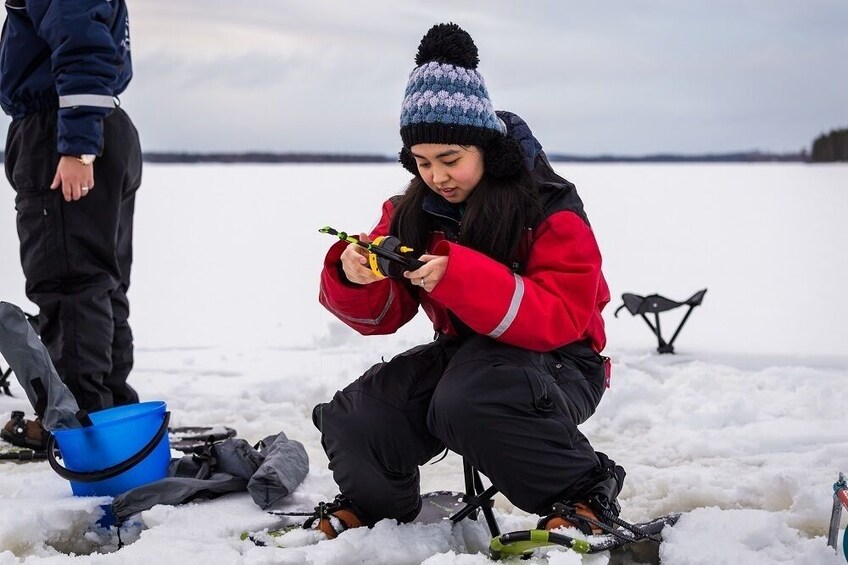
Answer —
333 518
24 433
570 516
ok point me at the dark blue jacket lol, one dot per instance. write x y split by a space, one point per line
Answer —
71 55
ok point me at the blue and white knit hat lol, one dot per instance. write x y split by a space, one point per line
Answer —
446 101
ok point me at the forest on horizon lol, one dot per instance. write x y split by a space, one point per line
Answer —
828 147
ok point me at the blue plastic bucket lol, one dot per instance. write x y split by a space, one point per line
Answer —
120 451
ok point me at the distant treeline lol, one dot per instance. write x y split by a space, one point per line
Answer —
830 147
743 157
255 157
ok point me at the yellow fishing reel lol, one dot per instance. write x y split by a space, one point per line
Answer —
384 266
387 256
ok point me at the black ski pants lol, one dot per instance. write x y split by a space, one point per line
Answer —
510 412
76 256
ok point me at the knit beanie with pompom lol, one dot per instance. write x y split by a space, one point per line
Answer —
446 101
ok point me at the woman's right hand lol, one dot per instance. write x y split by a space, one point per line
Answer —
355 263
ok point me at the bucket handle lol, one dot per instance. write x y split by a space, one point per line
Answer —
109 472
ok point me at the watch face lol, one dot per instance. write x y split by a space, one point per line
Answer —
86 159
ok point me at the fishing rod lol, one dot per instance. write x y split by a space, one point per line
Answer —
387 256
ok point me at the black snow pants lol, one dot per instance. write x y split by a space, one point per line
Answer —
510 412
76 256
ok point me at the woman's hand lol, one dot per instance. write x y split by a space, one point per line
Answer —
355 263
428 276
74 178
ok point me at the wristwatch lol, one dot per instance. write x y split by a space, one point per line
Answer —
86 159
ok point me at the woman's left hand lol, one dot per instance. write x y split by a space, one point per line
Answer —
428 276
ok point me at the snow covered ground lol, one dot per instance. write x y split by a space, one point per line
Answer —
743 431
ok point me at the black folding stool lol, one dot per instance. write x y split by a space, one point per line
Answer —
655 304
477 498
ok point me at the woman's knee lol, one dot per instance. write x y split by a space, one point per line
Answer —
469 396
448 412
352 418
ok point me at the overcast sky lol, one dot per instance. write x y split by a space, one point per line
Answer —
619 76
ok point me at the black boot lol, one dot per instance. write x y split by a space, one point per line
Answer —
594 510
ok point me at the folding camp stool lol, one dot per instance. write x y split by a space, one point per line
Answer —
655 304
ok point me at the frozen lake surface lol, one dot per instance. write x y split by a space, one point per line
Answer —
743 431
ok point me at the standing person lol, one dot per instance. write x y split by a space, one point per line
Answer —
74 160
513 285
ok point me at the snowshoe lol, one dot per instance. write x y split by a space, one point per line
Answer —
436 507
24 433
22 440
188 439
615 540
192 439
17 454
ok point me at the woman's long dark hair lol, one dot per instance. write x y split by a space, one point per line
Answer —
496 213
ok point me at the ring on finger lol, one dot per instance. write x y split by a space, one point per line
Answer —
421 282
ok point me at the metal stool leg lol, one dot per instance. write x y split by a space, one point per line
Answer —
4 380
476 497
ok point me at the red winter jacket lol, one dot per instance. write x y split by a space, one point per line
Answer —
555 300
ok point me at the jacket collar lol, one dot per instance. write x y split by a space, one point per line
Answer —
438 206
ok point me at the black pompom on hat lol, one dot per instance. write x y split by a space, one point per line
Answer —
448 43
